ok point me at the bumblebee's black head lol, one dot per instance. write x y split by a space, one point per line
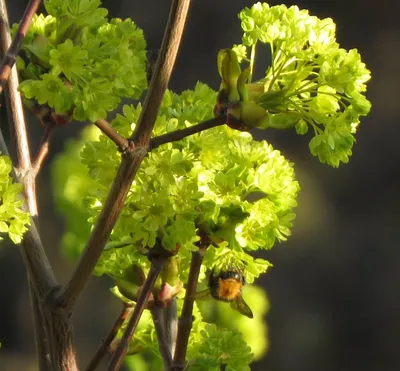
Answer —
225 275
231 274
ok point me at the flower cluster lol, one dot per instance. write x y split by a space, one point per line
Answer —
80 65
311 82
13 219
238 192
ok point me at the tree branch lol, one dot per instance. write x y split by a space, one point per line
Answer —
108 130
124 144
41 331
43 149
180 134
125 312
145 291
101 231
131 160
171 325
15 113
53 332
185 321
157 314
12 52
39 319
39 269
162 72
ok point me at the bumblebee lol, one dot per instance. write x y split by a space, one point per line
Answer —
226 285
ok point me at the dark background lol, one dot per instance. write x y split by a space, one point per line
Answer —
333 290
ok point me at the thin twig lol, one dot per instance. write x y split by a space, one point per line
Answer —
157 314
145 291
12 52
186 320
125 312
109 131
43 149
180 134
130 161
162 72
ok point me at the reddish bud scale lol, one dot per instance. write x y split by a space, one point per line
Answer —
235 123
61 119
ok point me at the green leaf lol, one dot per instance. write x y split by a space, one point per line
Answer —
301 127
332 148
360 103
13 219
324 104
15 238
83 12
218 347
3 227
68 59
283 120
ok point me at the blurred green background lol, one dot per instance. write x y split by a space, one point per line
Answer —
333 290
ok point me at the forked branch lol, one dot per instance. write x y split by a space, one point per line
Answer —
174 136
53 332
130 161
38 266
121 142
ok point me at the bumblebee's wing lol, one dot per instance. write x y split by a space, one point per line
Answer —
241 306
203 295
